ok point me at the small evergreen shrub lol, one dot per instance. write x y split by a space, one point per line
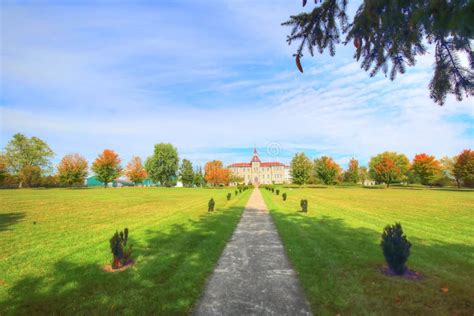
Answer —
236 192
229 195
396 248
277 192
283 195
273 190
210 205
304 206
118 245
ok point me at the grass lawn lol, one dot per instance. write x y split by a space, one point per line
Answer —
335 248
55 266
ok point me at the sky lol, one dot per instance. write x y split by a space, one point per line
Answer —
215 78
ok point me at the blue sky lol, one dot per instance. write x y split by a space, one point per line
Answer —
215 78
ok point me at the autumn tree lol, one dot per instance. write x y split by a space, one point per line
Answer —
135 171
215 174
301 168
28 158
3 167
391 35
426 168
186 173
326 169
352 173
163 165
107 167
72 169
388 167
464 167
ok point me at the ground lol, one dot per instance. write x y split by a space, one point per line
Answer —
335 248
55 243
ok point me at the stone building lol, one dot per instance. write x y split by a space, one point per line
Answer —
258 172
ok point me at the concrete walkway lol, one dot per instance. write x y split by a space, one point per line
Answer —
253 276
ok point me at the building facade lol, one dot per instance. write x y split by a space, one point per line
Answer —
257 172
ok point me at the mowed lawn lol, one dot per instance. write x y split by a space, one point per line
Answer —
335 248
55 242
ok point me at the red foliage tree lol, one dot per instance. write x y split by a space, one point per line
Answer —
464 167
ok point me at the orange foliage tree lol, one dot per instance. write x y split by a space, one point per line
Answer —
426 167
135 170
107 166
464 167
386 170
215 174
72 169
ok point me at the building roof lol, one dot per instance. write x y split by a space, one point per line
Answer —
255 158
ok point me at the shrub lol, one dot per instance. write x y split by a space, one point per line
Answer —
277 192
236 192
273 190
229 195
304 206
396 248
118 245
284 196
211 205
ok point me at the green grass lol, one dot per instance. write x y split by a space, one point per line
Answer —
335 248
55 266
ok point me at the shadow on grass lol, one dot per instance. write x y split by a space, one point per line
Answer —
9 219
339 267
170 272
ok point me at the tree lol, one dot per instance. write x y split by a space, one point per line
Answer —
162 166
72 169
30 176
388 167
464 167
198 178
135 170
447 169
393 34
363 175
301 168
107 167
26 157
215 174
326 169
186 173
352 173
426 168
235 178
3 167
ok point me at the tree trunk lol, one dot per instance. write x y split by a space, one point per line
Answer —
458 183
388 184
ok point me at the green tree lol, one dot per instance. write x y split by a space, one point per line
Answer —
198 178
388 167
326 169
363 175
186 173
3 168
163 165
107 167
301 167
447 169
392 34
27 158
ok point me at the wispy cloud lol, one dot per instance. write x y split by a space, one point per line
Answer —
212 78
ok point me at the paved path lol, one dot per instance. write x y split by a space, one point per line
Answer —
253 276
